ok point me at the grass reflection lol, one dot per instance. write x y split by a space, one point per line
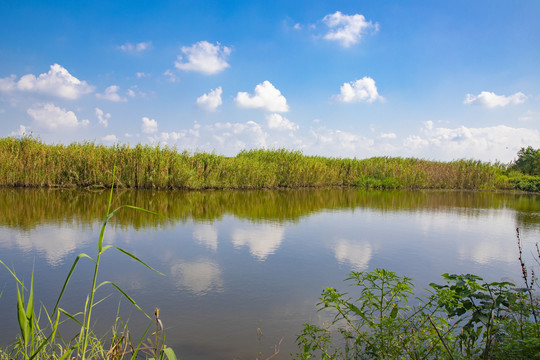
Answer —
26 208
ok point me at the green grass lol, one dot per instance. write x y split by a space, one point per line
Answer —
28 162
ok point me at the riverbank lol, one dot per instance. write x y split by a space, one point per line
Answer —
28 162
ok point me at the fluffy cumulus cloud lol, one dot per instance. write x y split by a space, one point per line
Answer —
266 97
496 143
347 29
363 90
111 94
54 118
210 101
149 126
56 82
278 122
492 100
21 131
136 48
110 139
103 118
204 57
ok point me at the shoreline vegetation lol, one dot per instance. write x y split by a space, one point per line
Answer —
28 162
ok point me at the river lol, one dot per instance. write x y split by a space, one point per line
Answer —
243 269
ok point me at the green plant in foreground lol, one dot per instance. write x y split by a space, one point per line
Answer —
32 342
465 318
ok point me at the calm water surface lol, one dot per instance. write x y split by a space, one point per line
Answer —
236 262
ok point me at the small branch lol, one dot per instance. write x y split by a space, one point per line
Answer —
440 337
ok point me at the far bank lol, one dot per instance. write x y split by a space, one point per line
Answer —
28 162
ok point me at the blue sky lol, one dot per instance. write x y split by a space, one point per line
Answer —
430 79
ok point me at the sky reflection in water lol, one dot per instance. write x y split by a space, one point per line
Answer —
238 261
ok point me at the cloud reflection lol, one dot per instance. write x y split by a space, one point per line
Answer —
53 243
199 277
484 252
356 254
206 234
262 239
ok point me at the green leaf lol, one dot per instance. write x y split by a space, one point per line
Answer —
170 354
12 274
137 259
72 317
127 297
134 356
394 312
80 256
21 317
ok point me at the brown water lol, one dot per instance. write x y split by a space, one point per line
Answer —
235 262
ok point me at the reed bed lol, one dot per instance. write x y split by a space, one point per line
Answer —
28 162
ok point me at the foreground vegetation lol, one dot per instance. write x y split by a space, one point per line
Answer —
36 341
465 318
29 162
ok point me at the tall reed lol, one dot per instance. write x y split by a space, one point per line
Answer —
27 161
36 343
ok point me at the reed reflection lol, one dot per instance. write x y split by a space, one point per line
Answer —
28 208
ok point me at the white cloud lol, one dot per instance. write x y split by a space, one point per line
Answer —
135 92
204 57
297 26
226 138
136 48
57 82
110 139
529 116
336 142
141 75
488 144
171 77
266 97
111 94
238 135
210 101
363 90
347 29
388 136
21 131
103 118
8 84
492 100
278 122
149 126
53 117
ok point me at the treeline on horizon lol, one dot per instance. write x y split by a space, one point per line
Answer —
28 162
